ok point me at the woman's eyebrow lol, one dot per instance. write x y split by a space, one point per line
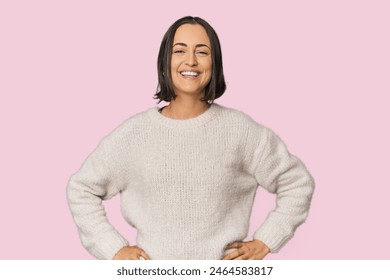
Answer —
196 46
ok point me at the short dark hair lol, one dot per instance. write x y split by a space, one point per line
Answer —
215 88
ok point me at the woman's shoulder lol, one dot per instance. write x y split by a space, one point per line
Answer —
139 118
233 115
135 122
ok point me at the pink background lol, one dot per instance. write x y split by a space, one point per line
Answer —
316 72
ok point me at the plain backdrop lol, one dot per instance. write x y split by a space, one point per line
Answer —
316 72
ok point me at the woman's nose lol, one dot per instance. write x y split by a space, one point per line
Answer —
191 59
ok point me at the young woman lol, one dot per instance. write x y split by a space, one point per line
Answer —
187 173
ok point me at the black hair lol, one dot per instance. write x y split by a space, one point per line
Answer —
215 88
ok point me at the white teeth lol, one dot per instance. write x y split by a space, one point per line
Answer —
189 73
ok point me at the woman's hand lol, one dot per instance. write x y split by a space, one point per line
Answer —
250 250
131 253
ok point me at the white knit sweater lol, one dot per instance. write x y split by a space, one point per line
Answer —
188 186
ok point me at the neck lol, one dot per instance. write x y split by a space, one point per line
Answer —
182 108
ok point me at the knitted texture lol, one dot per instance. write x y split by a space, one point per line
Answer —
188 186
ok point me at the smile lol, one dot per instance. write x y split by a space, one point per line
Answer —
189 74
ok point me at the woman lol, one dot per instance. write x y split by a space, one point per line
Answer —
188 172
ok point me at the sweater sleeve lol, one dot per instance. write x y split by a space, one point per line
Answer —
99 178
285 175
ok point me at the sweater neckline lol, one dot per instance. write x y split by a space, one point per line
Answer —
199 120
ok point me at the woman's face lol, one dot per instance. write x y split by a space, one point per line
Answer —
191 60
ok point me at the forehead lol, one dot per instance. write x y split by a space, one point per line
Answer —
191 34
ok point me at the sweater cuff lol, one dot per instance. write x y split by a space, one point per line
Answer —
272 236
107 246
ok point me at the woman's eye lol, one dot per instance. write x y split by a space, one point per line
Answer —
203 53
178 51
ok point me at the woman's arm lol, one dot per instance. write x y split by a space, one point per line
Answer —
285 175
99 178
